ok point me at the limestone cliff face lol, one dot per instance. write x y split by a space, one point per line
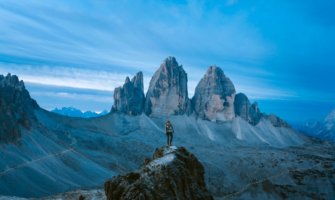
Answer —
173 173
242 106
16 108
214 99
167 93
214 96
129 98
248 112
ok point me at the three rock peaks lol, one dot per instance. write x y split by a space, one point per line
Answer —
215 97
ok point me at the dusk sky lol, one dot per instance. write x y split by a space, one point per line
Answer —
74 53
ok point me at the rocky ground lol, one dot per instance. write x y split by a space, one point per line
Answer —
173 173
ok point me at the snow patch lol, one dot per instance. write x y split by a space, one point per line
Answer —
165 160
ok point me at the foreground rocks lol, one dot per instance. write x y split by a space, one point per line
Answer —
174 173
16 108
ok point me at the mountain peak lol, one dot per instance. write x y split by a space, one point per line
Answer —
137 80
214 69
167 93
16 106
214 96
129 98
170 61
11 81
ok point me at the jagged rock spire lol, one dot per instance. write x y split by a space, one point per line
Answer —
167 93
214 96
129 98
16 108
248 112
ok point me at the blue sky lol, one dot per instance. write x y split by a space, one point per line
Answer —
74 53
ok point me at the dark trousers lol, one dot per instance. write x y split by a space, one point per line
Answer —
169 136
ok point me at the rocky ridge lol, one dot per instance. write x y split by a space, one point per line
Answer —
173 173
215 97
129 98
16 108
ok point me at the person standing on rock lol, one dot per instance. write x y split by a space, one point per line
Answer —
169 132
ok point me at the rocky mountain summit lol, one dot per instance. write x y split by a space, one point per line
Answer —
16 108
129 98
214 96
167 93
173 173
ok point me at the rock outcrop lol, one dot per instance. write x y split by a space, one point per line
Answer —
167 93
214 96
252 114
16 108
129 98
174 173
248 112
242 106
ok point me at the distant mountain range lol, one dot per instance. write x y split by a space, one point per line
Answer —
74 112
321 129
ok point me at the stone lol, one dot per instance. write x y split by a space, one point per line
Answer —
174 173
167 93
242 106
214 96
16 108
129 99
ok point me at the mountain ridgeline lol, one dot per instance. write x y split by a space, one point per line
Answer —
215 97
16 108
250 156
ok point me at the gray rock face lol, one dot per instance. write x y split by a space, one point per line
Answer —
242 106
16 108
174 173
252 114
247 111
129 98
214 96
255 114
167 93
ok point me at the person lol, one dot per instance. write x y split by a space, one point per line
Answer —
169 132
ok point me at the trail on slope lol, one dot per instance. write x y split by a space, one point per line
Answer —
34 161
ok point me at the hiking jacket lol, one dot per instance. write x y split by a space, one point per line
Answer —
168 128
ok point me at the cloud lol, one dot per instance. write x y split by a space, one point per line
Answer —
267 52
66 76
